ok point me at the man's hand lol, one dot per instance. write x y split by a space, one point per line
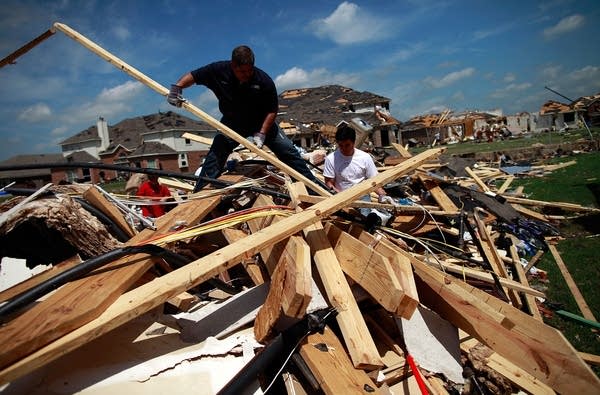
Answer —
387 200
174 97
259 139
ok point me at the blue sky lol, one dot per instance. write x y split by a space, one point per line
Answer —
424 55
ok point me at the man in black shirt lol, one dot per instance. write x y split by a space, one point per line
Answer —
248 101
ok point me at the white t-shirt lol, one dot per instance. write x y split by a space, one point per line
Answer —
347 171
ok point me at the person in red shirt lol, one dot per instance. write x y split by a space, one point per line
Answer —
152 188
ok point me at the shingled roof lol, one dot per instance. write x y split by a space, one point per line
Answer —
127 133
151 148
328 104
30 160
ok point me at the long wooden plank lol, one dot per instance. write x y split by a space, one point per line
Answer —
361 347
148 296
81 301
492 256
540 350
327 360
579 299
529 299
252 268
121 65
439 195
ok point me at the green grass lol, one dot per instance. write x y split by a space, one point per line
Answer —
580 250
467 147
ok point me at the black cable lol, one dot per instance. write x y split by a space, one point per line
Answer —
111 226
34 293
91 165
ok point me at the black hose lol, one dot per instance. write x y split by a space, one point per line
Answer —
111 226
34 293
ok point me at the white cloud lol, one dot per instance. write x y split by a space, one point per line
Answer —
300 78
590 73
551 72
36 113
121 32
509 77
565 25
511 89
349 24
110 103
450 78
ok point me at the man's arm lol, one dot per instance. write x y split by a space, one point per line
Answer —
268 123
330 184
185 81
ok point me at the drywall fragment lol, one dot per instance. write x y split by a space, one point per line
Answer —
433 342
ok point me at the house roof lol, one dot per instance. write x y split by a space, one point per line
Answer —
127 133
328 104
151 148
29 160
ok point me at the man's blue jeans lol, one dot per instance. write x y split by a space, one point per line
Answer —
276 140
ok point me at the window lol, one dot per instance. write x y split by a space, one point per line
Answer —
151 163
188 142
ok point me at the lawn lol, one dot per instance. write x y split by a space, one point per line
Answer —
580 249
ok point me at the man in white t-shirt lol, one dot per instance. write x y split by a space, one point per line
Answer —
347 166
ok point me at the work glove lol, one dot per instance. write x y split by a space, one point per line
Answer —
259 139
387 200
174 97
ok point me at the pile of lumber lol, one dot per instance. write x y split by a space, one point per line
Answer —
435 301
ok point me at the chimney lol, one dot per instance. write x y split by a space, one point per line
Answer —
102 127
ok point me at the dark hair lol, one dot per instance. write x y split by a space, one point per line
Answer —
345 132
242 55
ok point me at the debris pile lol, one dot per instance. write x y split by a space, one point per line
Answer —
262 285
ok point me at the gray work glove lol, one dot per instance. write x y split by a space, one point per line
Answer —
258 139
174 97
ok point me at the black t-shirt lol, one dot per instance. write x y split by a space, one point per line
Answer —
244 106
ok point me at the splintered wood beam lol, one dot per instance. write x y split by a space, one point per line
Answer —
516 375
579 299
133 72
492 256
289 291
541 203
365 266
98 200
529 299
439 195
402 151
327 360
539 349
400 266
506 184
482 185
144 298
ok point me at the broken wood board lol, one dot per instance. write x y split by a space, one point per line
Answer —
402 151
516 375
439 195
83 300
508 331
329 363
98 200
289 289
366 267
148 296
579 299
197 138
